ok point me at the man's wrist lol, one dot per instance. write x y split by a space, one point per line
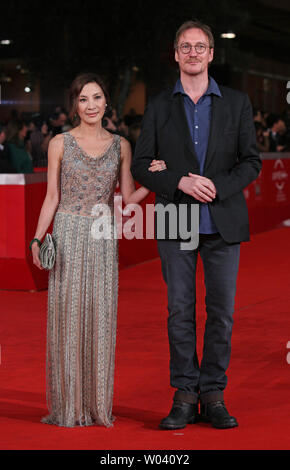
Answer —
180 183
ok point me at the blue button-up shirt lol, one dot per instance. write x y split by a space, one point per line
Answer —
198 118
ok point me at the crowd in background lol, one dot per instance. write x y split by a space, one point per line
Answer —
272 131
24 139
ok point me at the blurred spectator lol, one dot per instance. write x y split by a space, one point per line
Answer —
259 116
115 118
263 137
134 132
38 142
29 122
109 125
58 122
5 163
130 117
122 128
108 121
59 109
18 154
277 128
286 117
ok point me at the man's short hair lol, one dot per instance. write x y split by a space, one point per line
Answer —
273 119
196 24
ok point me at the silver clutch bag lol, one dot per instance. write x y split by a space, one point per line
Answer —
47 252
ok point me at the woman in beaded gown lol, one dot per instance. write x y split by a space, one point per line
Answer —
84 166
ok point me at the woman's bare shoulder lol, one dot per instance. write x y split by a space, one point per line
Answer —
125 144
56 144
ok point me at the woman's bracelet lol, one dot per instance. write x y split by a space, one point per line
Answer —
34 240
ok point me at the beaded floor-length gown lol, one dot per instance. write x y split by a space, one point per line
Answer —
82 292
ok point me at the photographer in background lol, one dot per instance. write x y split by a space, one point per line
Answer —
277 128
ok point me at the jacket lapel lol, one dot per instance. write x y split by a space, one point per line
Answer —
178 117
217 123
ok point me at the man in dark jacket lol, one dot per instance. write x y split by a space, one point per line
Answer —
205 134
277 131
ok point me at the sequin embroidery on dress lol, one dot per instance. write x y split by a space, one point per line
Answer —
83 292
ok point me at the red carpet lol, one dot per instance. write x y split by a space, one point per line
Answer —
259 375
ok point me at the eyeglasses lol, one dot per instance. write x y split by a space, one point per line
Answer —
186 48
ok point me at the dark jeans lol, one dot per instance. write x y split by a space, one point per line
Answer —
220 262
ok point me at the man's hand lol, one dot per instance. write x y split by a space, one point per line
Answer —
200 187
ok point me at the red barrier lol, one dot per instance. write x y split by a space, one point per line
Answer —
268 197
21 198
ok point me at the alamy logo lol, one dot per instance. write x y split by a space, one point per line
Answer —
171 222
288 94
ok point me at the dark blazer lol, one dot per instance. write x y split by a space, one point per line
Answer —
232 160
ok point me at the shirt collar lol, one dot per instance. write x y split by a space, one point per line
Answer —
212 88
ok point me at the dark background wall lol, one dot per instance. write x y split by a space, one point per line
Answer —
131 44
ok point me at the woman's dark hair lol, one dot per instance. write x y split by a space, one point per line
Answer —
76 87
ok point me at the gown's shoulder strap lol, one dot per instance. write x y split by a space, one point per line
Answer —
117 140
67 142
